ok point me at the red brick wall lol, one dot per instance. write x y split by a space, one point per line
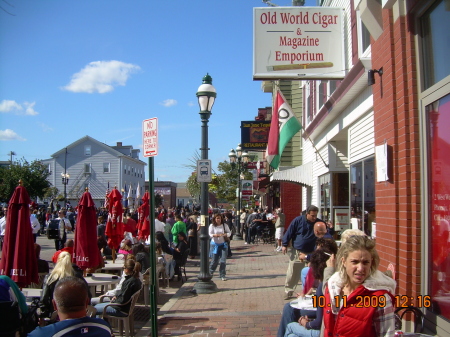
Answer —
290 201
396 122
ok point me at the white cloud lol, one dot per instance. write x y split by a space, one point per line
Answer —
29 109
101 77
9 134
169 102
26 108
45 127
191 103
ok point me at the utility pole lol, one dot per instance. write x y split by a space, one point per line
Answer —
11 154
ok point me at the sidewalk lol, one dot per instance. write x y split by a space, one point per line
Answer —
249 303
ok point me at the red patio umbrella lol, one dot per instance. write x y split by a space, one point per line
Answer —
86 253
19 260
144 212
114 225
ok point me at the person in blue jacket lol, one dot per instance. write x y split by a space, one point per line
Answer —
300 238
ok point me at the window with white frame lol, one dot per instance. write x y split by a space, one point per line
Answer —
49 169
106 167
363 38
87 150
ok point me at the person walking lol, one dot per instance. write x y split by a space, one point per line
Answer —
279 228
301 233
178 227
219 232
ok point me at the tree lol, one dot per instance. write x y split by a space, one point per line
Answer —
228 181
33 175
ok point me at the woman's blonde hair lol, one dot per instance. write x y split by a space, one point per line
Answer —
350 232
63 268
353 243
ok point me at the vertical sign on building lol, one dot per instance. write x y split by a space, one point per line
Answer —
150 137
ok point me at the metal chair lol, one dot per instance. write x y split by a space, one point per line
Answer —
182 265
40 282
128 319
418 318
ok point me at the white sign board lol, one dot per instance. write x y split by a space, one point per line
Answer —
298 43
341 219
150 137
204 171
381 155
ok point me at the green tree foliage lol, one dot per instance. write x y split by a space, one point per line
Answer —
228 180
33 175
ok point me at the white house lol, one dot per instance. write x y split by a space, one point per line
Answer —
95 165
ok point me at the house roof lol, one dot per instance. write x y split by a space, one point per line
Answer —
106 147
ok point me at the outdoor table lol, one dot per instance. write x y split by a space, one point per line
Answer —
115 267
101 279
31 293
416 334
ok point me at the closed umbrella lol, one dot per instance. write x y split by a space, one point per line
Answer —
19 260
86 253
144 212
114 225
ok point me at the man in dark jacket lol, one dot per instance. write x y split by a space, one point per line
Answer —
301 239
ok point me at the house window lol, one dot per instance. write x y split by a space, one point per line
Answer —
87 168
49 169
124 169
87 150
435 52
106 167
362 198
323 86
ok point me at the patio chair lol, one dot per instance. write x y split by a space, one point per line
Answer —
128 320
418 318
182 265
40 282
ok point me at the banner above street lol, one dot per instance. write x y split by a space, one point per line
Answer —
298 43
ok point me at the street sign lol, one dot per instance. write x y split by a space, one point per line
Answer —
150 137
204 171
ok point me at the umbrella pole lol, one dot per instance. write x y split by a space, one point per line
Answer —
114 255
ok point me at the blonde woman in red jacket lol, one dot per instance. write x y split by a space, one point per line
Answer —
358 298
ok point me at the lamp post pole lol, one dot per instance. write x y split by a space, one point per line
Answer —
239 159
65 178
206 96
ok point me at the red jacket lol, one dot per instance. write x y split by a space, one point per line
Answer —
351 321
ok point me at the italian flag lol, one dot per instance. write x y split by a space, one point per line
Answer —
283 127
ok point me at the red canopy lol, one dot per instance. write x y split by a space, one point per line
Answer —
86 253
19 260
114 225
144 223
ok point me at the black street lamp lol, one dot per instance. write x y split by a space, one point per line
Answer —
65 180
239 160
206 95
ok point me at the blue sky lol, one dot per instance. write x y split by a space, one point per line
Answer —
99 68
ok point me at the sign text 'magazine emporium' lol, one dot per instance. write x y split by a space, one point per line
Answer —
298 43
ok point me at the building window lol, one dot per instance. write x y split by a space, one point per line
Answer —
87 168
435 51
323 90
87 150
106 167
362 197
124 169
49 169
437 116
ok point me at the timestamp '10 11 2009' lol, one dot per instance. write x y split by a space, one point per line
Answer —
373 301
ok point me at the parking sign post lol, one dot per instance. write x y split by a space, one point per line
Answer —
150 145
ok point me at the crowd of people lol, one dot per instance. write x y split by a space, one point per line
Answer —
335 280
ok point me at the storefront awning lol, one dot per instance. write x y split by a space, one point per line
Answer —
302 174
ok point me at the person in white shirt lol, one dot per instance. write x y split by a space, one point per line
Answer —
35 225
2 226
